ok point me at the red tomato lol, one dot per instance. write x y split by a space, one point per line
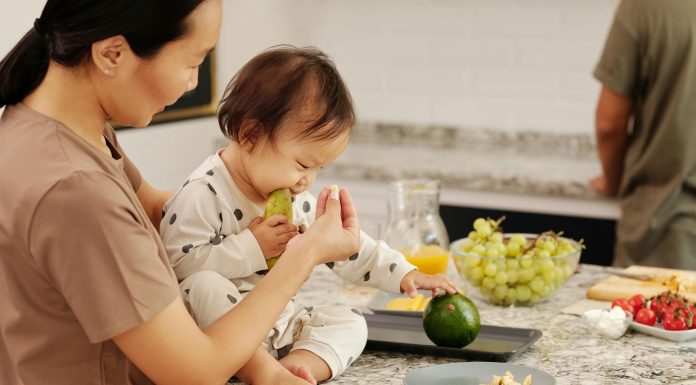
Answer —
646 316
637 301
623 303
657 306
674 321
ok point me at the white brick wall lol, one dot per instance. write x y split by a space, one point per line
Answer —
502 64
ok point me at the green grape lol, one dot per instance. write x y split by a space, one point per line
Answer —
550 247
488 283
477 273
534 298
502 249
537 284
472 260
525 275
466 244
484 231
549 276
492 253
475 282
473 235
486 292
500 292
512 264
511 296
479 223
519 240
497 237
545 291
514 249
512 276
542 254
491 269
546 266
526 261
479 249
524 293
501 278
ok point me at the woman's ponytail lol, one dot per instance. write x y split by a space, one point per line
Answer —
23 69
66 30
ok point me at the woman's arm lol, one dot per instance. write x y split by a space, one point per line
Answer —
171 349
153 201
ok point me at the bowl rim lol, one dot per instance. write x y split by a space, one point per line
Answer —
454 250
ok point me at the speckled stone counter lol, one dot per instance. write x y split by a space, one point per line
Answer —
568 349
482 160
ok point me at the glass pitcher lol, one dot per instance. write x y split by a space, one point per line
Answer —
414 226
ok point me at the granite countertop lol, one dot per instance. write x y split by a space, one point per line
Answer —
567 350
529 163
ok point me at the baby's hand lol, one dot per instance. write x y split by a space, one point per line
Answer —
272 234
415 280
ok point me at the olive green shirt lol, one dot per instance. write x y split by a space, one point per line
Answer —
650 56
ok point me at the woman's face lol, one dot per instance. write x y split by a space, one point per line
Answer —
144 87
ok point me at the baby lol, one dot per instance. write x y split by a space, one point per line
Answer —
287 114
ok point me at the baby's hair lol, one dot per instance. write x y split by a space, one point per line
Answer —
282 79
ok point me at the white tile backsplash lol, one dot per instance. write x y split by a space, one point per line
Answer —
505 64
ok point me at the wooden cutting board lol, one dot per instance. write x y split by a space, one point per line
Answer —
614 287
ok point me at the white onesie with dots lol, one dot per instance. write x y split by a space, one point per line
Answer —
217 261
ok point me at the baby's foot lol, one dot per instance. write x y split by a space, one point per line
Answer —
301 371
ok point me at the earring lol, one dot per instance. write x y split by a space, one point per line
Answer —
107 71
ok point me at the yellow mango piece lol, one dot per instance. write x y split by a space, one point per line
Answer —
424 303
405 303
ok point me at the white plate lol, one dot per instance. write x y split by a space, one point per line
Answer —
474 373
378 304
660 332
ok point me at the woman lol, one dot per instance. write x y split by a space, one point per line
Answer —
85 286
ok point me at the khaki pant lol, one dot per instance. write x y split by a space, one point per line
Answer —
335 333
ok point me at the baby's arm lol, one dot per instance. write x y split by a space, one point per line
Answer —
376 265
192 234
400 276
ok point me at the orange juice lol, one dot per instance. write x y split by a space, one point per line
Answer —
429 259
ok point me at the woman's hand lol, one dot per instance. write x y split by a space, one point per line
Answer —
335 234
415 280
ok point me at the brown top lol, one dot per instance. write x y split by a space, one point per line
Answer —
80 261
649 56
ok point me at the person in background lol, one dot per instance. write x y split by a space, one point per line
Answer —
646 131
86 288
287 114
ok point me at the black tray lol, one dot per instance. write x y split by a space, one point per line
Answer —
405 334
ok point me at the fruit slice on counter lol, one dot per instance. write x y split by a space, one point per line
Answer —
451 320
417 303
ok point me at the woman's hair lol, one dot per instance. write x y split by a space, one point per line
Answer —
281 80
67 29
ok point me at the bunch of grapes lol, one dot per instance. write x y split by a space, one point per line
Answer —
511 268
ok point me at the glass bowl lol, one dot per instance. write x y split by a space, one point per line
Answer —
522 280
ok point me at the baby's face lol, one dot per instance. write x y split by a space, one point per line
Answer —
291 162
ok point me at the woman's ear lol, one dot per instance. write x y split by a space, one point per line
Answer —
108 54
249 134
